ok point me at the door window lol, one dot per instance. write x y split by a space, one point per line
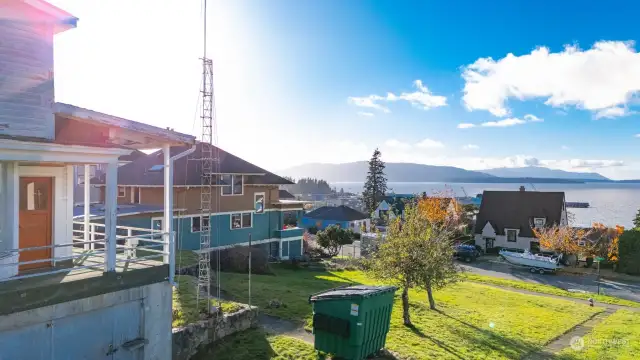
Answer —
34 195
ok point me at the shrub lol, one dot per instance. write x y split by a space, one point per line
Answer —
629 252
236 259
356 236
333 237
313 230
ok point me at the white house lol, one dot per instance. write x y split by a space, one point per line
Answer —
383 210
506 218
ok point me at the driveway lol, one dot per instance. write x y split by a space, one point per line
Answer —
489 267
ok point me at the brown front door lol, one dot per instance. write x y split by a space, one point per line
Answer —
36 217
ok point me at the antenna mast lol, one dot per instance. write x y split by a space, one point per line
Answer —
209 167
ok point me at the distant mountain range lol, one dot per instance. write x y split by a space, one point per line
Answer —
543 172
406 172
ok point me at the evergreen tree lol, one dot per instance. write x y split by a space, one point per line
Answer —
376 185
636 220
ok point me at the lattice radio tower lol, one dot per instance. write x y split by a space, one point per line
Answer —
210 168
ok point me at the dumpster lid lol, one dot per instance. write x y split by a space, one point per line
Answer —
351 292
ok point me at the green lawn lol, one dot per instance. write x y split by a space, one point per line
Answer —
474 321
548 289
617 337
256 345
184 258
185 302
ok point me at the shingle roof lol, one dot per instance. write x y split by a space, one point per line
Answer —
187 169
284 194
337 213
516 210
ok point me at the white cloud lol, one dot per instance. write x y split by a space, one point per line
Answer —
637 135
532 118
471 147
603 77
612 112
396 144
365 114
564 147
429 144
368 102
422 98
504 123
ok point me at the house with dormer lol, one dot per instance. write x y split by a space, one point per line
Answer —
506 218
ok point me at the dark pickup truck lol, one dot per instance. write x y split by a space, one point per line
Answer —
466 253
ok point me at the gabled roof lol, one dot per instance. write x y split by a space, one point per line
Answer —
337 213
147 170
516 210
284 194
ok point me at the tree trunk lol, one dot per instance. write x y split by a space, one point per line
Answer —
432 302
405 306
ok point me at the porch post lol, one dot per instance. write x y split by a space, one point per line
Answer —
87 203
167 221
110 216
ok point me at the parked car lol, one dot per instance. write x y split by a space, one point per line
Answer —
466 253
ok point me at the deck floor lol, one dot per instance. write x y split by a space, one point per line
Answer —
74 274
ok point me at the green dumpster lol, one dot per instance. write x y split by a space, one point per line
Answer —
351 322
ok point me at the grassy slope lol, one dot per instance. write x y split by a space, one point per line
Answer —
256 345
473 320
548 289
184 302
617 337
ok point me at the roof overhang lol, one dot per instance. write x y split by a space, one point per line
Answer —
14 150
124 132
60 19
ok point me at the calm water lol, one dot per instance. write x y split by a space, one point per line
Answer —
610 203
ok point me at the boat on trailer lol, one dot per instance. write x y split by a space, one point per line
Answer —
536 263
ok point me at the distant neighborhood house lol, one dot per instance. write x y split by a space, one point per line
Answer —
506 218
343 216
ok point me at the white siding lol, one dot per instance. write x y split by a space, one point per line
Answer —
501 240
26 79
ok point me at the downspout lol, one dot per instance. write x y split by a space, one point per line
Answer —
168 209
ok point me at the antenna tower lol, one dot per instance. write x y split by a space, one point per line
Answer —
209 167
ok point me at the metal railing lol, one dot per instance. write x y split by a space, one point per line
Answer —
130 241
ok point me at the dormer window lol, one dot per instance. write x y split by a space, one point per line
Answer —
512 235
539 222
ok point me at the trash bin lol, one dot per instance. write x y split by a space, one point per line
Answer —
352 322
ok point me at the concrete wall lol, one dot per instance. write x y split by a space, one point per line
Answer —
130 324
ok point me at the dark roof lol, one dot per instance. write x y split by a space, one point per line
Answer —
284 194
187 169
133 156
337 213
516 210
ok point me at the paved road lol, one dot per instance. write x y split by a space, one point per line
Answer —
624 290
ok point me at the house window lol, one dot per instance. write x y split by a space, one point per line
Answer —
156 224
199 223
582 243
241 220
122 191
539 222
231 184
258 200
512 235
135 195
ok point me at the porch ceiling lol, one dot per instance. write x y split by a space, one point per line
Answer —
112 130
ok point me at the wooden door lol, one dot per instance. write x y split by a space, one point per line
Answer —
36 217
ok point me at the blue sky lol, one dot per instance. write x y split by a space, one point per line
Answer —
330 80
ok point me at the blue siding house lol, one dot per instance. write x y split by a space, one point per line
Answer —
343 216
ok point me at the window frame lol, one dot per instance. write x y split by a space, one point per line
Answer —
536 219
242 225
515 236
232 184
124 191
264 202
202 220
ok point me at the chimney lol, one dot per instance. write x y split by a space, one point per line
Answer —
521 188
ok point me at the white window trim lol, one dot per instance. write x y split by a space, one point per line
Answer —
535 219
233 178
506 235
255 200
201 218
124 191
241 217
153 219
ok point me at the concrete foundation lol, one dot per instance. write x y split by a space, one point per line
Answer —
131 324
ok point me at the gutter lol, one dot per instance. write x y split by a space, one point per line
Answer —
184 153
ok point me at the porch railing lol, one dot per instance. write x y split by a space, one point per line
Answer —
130 243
